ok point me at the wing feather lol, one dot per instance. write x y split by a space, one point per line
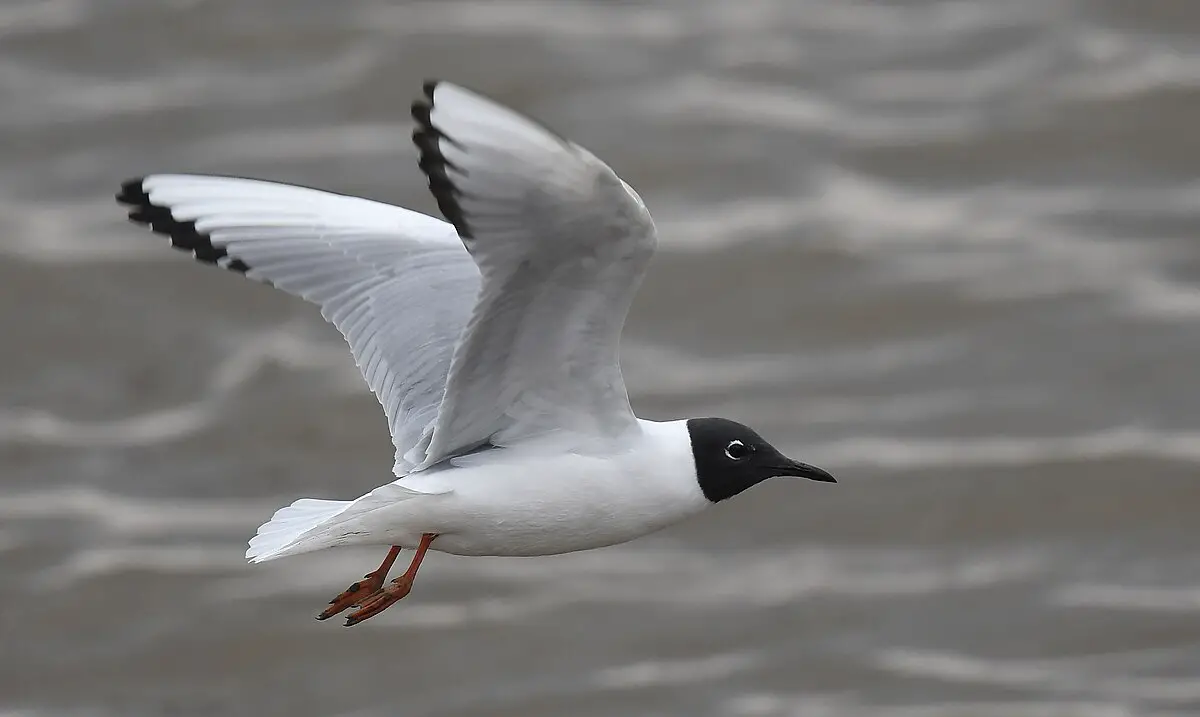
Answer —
562 244
397 284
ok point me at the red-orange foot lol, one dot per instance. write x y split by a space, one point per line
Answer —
381 600
353 595
361 590
372 605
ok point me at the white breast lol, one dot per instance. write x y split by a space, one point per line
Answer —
516 502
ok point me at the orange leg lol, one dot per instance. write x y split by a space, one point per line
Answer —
363 589
398 588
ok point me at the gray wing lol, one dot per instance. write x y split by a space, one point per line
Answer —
562 244
396 283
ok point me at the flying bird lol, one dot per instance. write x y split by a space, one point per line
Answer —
491 340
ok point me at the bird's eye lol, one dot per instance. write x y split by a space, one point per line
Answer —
736 450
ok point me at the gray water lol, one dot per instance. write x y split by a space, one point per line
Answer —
947 249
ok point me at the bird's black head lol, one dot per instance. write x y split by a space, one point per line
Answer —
731 457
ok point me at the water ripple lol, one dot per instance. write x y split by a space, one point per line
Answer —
1055 676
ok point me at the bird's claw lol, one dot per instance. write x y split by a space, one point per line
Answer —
380 600
357 592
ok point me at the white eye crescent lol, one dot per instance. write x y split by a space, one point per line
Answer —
736 450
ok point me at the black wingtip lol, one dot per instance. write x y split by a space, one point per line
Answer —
183 234
434 164
132 193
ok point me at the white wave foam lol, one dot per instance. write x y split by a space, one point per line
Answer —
143 429
704 18
870 215
686 373
956 667
779 577
996 242
705 99
680 579
303 144
27 18
701 228
899 409
249 353
1155 297
653 673
933 21
290 346
129 516
1064 676
670 371
94 562
83 97
523 18
771 704
1005 242
64 233
1126 597
127 526
1125 65
939 89
912 453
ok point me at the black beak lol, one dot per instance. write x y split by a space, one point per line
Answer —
804 470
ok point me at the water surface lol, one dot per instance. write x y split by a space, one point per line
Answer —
946 249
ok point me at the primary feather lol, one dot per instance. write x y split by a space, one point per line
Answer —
397 284
562 244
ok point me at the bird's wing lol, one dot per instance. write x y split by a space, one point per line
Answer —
561 243
396 283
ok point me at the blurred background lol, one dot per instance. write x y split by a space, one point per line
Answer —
946 249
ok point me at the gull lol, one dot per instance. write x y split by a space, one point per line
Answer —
490 339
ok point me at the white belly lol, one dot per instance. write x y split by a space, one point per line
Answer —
551 505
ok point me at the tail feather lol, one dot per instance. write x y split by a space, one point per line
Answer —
312 524
289 524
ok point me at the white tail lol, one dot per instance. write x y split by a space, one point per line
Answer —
310 524
278 536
